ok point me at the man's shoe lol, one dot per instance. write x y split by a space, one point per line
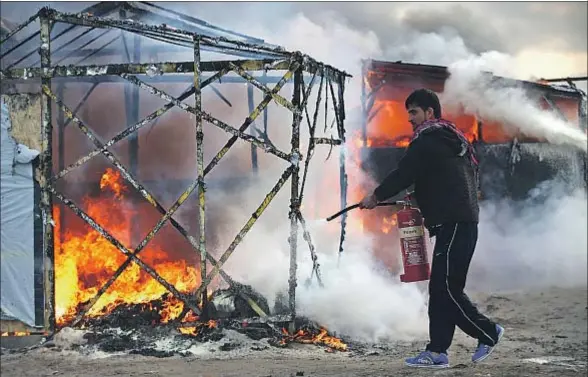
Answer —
483 350
427 359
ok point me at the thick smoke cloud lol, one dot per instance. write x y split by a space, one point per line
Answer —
519 247
470 87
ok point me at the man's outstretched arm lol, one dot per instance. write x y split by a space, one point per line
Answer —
400 178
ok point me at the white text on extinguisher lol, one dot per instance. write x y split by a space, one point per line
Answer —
411 231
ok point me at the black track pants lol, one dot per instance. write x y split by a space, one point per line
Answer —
449 306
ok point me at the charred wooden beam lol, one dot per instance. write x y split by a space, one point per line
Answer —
200 167
179 78
132 107
44 177
100 70
254 166
342 171
324 140
144 68
61 154
294 197
307 237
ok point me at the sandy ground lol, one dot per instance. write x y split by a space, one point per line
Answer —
546 335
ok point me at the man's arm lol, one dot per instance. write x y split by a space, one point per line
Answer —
405 175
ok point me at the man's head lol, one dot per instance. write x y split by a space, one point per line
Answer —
422 105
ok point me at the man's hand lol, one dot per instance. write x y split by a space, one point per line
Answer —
369 202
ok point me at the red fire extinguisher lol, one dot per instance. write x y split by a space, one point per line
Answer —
411 228
413 245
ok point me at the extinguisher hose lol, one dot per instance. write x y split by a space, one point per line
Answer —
347 209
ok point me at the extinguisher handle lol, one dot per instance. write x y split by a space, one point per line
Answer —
408 196
347 209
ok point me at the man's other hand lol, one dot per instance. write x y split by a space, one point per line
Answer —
369 202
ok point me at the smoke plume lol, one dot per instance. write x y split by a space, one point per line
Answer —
478 93
536 243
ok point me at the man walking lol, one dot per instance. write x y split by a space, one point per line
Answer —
442 165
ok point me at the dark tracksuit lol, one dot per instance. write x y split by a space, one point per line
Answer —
445 188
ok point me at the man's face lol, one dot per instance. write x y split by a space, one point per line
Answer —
416 115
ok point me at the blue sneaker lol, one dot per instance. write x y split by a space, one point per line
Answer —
427 359
483 350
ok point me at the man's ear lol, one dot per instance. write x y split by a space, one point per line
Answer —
430 113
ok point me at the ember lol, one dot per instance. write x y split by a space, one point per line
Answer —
15 333
195 330
311 337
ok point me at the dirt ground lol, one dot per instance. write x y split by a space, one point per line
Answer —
546 335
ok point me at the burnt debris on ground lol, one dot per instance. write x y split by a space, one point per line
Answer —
227 323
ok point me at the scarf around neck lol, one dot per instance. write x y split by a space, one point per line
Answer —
467 147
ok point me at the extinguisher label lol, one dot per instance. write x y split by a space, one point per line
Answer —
414 251
411 231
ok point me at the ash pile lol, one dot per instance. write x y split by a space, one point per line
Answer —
227 326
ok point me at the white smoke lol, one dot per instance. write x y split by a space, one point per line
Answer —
536 243
472 88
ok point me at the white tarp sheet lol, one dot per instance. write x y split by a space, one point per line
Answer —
17 227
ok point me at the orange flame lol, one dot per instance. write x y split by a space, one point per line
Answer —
15 333
195 330
388 222
86 260
322 338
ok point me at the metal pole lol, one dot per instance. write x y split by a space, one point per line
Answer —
294 197
200 167
46 165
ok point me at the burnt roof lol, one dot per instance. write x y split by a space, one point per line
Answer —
437 72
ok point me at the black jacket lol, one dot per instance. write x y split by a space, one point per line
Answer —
445 184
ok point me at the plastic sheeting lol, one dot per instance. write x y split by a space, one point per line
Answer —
17 274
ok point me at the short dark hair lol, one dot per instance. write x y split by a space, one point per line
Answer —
424 98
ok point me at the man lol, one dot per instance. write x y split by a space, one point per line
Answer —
442 165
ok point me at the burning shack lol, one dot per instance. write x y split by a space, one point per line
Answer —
133 105
511 164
